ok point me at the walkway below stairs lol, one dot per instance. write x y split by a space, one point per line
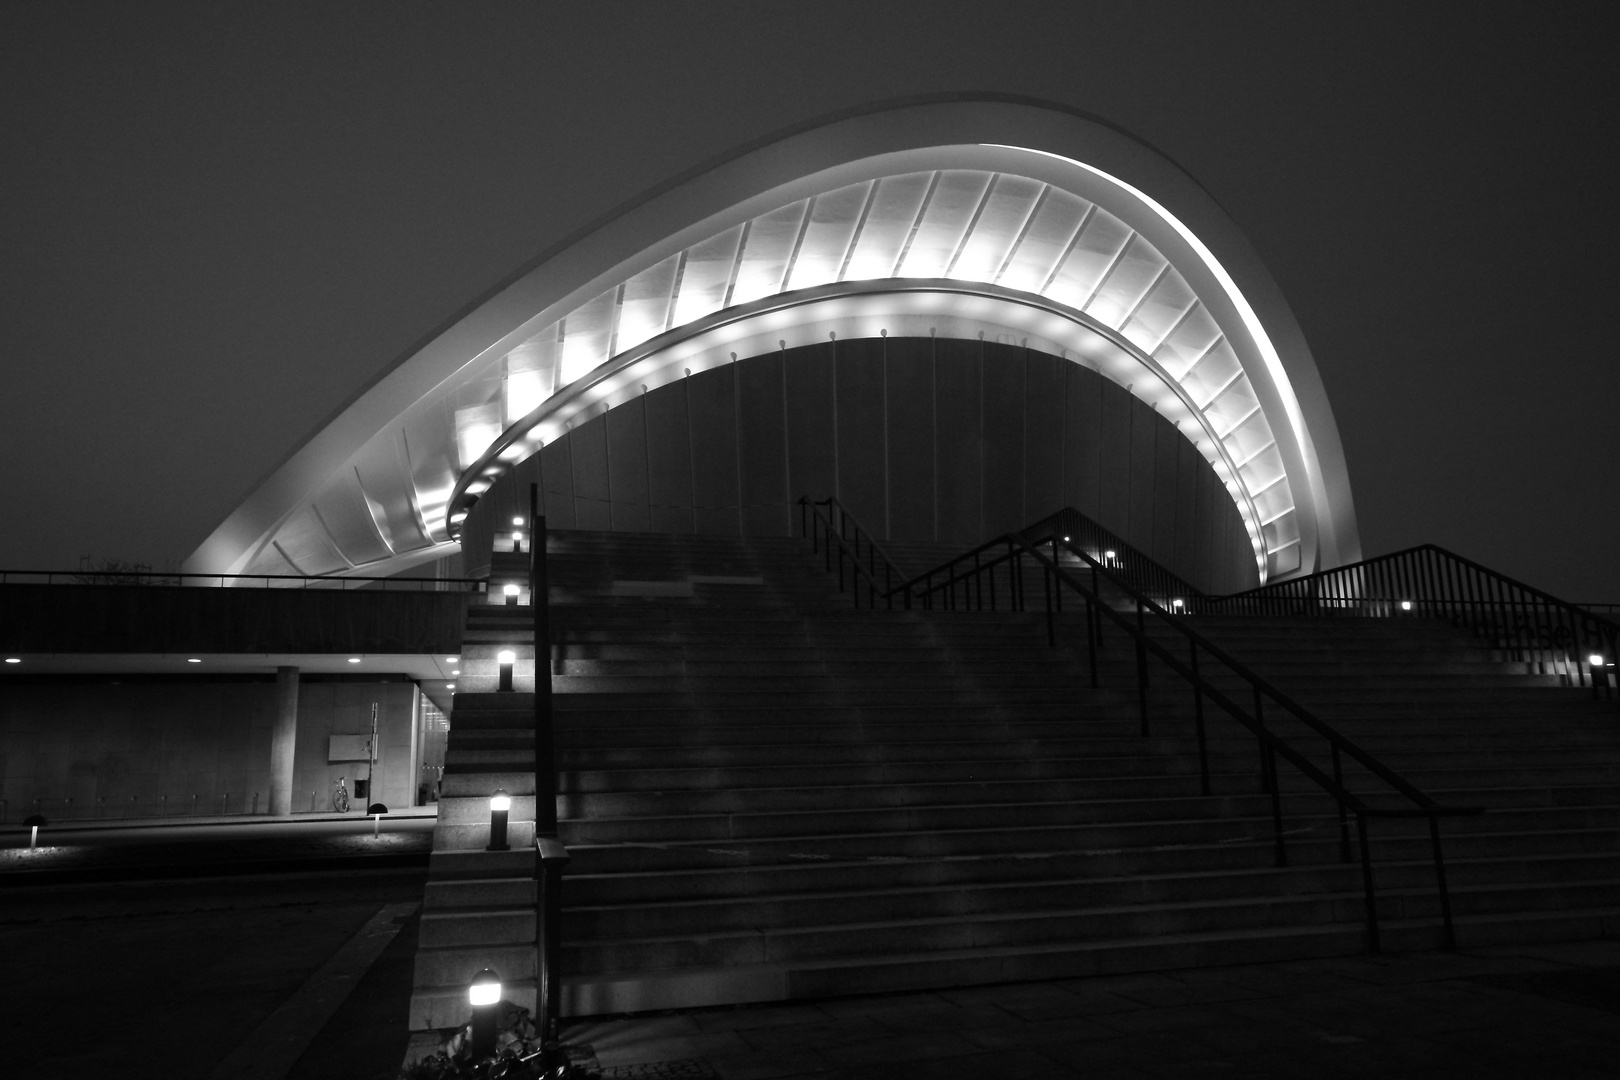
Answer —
1515 1012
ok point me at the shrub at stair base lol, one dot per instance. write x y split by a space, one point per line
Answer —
517 1054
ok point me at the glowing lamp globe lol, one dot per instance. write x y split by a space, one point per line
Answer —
485 988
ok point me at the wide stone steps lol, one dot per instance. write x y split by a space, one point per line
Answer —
769 794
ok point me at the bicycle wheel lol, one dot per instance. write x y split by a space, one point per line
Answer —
340 801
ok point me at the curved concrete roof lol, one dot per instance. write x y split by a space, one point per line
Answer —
1008 219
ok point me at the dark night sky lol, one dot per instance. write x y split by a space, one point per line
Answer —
217 223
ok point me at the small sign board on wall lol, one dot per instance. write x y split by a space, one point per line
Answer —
349 748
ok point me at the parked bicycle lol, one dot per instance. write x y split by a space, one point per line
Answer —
340 797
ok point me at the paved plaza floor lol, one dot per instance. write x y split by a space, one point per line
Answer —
307 976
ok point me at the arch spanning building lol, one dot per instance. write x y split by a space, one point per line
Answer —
1035 232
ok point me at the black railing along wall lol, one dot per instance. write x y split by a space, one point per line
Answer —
835 531
263 581
967 582
1549 635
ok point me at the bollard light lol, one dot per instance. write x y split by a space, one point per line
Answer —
1178 603
511 592
1596 660
1406 605
517 542
1108 556
376 810
517 521
506 658
499 804
34 823
483 994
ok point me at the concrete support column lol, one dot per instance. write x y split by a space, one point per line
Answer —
283 740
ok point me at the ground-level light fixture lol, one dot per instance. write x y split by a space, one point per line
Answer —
13 659
511 592
193 660
506 658
517 521
1406 605
1178 603
376 810
484 993
35 822
517 542
500 804
354 659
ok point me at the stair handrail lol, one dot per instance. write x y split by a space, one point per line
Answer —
1539 628
1010 548
1118 554
815 524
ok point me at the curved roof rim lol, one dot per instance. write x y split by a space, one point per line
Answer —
596 386
781 160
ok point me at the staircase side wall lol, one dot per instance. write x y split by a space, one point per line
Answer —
929 440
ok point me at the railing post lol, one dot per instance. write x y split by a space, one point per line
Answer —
1198 720
1344 821
1276 805
1440 881
1267 780
1091 640
1047 586
1141 668
1367 884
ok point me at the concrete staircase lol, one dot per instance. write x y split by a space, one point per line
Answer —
767 794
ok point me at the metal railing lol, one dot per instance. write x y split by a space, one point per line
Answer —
1550 636
267 581
836 530
968 582
1135 567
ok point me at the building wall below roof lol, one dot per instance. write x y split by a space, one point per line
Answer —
96 748
921 438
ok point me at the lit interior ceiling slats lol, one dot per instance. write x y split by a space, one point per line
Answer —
1090 256
960 224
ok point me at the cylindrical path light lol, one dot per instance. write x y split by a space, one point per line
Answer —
506 658
517 542
511 592
484 994
500 804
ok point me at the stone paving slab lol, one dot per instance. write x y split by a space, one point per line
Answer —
1550 1010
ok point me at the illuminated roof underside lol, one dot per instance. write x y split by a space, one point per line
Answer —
1010 232
1003 253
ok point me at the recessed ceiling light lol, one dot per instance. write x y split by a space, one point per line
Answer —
449 686
453 671
450 659
354 659
13 659
193 660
